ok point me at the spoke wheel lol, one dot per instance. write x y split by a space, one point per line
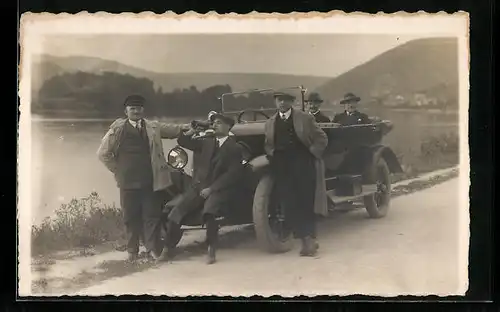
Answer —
377 204
270 228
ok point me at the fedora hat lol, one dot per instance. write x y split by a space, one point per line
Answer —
350 97
284 96
314 97
225 119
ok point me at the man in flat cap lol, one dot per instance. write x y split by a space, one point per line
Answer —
351 115
132 150
294 144
315 101
213 184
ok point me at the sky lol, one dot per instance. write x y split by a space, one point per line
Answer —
304 54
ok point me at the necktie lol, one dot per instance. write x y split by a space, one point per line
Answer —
140 128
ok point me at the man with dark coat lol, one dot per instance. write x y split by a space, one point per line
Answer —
294 144
132 150
351 115
315 101
214 181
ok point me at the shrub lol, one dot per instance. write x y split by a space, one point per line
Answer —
435 152
80 223
437 149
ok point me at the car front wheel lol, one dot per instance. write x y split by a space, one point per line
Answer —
268 221
377 204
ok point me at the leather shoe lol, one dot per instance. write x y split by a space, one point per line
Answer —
309 247
132 257
166 254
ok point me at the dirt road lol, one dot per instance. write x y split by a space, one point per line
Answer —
414 250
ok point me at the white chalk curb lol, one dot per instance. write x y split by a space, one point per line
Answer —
427 176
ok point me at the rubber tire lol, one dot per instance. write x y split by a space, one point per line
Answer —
266 239
370 204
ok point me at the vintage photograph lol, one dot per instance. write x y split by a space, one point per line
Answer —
231 156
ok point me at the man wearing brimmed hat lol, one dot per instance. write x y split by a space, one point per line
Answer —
132 150
213 183
351 115
294 144
315 101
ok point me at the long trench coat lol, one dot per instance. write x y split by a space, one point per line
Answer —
107 151
316 140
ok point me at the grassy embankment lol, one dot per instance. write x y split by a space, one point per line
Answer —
89 222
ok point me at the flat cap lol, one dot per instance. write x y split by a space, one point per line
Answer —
226 119
134 100
284 96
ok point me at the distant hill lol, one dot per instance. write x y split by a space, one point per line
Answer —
423 66
46 66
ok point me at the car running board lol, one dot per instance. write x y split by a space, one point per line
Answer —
367 189
199 227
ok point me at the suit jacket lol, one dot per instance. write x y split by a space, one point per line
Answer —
108 149
219 169
356 118
316 140
320 117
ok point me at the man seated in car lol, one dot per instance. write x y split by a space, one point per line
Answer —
315 101
351 115
213 186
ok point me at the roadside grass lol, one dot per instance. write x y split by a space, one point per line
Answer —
436 152
81 223
88 223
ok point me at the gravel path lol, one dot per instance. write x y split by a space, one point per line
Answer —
413 250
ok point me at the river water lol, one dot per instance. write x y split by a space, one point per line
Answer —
65 165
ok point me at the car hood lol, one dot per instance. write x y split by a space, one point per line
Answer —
250 128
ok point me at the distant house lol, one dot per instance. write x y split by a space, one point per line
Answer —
422 99
399 100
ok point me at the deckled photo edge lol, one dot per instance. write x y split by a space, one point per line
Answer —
24 163
254 14
24 166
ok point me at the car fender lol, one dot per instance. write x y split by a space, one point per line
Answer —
386 153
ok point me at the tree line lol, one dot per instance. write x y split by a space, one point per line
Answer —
102 95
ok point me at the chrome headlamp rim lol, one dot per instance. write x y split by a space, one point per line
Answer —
177 158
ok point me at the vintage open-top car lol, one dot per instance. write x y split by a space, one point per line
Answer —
357 168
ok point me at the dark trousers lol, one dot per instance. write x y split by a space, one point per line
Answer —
174 233
212 229
142 217
295 181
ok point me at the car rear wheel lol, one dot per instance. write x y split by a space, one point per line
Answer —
377 204
271 234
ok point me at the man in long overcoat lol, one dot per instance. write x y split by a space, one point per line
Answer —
294 144
218 168
351 115
132 150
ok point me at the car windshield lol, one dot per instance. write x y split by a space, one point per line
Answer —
260 100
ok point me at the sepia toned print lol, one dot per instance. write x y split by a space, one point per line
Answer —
260 154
